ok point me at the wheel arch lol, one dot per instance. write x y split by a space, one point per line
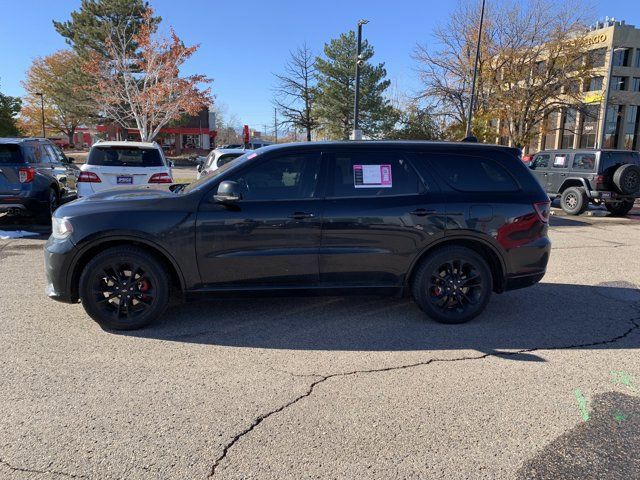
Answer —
496 261
574 182
177 282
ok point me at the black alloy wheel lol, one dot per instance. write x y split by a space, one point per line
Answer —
124 288
453 285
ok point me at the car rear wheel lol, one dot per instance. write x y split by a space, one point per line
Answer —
124 288
453 285
574 201
620 208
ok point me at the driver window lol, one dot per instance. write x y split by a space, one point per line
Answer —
541 161
281 178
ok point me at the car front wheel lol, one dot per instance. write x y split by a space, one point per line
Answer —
124 288
574 201
453 285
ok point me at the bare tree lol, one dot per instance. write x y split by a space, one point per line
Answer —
532 61
295 92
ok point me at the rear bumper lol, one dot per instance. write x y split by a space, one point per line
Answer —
522 281
606 195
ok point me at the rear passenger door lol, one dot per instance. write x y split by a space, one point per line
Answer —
558 171
379 212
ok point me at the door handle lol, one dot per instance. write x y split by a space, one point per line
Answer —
422 212
301 215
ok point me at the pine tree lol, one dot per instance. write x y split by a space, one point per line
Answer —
336 90
9 108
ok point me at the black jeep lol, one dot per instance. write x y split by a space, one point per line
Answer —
603 177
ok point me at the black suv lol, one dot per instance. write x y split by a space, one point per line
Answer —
609 177
448 223
34 174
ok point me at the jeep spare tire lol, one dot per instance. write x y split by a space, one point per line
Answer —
627 179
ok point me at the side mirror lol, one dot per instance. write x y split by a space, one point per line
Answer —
532 166
70 160
199 168
172 163
228 192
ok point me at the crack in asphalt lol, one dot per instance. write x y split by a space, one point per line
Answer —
635 325
41 472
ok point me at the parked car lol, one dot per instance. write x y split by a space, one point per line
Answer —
217 158
449 223
121 165
579 177
34 175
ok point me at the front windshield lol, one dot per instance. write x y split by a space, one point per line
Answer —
216 173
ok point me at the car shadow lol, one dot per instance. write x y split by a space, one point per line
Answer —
547 315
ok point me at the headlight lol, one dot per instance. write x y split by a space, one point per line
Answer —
61 228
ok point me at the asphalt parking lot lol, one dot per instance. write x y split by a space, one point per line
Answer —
544 385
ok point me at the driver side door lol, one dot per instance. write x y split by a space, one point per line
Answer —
271 236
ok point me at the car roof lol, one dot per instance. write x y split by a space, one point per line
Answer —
124 143
389 143
23 139
222 151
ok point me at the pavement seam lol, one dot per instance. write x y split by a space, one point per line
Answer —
635 325
41 472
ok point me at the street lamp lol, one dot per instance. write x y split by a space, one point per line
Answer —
475 73
602 119
357 133
41 95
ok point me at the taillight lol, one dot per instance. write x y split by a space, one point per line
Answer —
543 209
26 174
599 182
89 177
160 178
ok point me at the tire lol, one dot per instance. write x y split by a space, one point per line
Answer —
627 179
574 201
437 286
104 282
620 209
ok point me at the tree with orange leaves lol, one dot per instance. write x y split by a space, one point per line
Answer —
145 89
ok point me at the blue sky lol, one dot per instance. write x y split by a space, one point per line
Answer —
242 43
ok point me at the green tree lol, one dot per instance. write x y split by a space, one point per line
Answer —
336 90
91 25
9 108
415 123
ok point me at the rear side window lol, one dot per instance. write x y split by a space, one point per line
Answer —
10 153
474 174
584 161
560 160
368 174
224 159
125 157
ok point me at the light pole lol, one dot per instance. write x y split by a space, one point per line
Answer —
475 73
41 95
357 133
602 119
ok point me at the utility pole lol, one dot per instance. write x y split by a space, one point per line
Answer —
357 133
275 124
475 73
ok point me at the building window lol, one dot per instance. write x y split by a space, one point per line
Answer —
568 128
593 84
595 58
621 57
589 130
551 130
612 126
191 141
618 83
631 123
637 64
635 86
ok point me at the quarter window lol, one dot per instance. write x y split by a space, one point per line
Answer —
287 177
366 174
584 161
474 174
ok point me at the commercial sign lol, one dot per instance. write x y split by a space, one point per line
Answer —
593 97
594 39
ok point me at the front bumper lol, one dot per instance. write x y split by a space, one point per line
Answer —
58 255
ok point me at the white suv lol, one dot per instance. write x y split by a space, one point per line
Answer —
123 164
217 158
